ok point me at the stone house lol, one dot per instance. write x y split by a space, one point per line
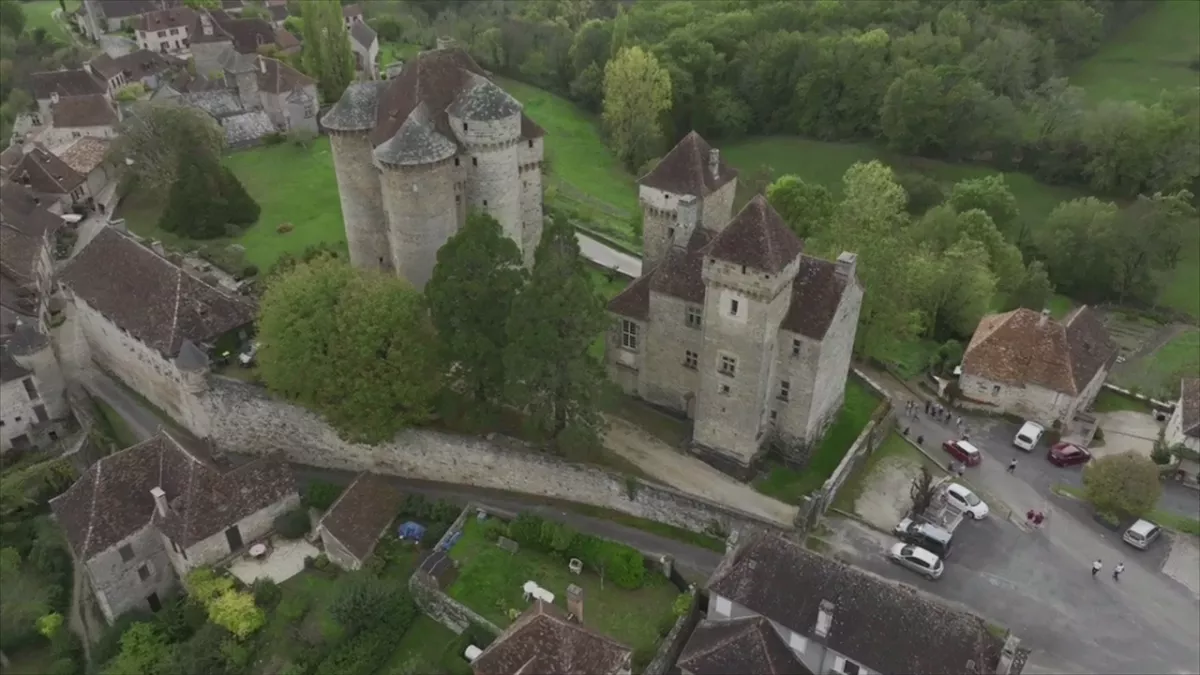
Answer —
355 522
56 185
165 31
732 326
147 320
288 96
76 117
49 87
1183 427
1028 364
543 640
27 234
143 65
86 157
140 519
776 607
352 14
33 401
415 153
97 17
216 32
365 45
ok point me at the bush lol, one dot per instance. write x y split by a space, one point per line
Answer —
362 654
1099 435
249 271
293 607
625 567
494 528
274 139
320 495
292 525
284 228
433 534
181 617
266 593
365 602
321 562
526 530
1122 485
109 643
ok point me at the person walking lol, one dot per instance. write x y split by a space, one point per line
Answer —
1096 567
926 407
958 421
1117 571
1012 466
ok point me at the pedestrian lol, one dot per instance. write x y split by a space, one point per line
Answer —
958 421
1012 466
966 435
1038 517
1117 571
962 469
926 407
1096 567
921 441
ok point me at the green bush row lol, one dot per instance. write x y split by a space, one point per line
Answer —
622 564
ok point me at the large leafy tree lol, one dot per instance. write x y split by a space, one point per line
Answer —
1124 485
555 319
355 345
154 137
806 207
195 206
326 56
1076 244
471 293
637 91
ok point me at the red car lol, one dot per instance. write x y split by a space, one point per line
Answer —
963 452
1068 454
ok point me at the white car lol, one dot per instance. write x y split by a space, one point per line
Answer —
917 559
966 500
247 357
1028 436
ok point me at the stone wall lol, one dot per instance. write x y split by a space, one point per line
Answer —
242 418
665 378
118 586
215 547
1030 402
436 604
672 645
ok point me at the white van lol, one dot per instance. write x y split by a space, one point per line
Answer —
1029 435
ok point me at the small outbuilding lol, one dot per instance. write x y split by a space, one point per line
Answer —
358 519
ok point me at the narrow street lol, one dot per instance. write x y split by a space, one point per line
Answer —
609 257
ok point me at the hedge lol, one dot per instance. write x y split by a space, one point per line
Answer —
622 564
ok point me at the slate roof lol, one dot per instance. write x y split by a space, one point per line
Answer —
216 102
92 110
247 127
541 640
165 19
355 110
738 647
286 41
44 173
885 626
120 9
816 293
415 143
10 371
246 35
151 298
112 499
144 63
22 209
685 169
363 34
1017 348
1189 406
757 237
279 13
76 82
280 77
363 513
104 66
85 154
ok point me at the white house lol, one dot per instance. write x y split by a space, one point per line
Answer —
1184 426
166 30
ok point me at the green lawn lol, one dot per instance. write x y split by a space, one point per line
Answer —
490 581
909 358
789 485
1181 289
1110 401
1160 372
422 649
1154 52
292 185
302 615
38 14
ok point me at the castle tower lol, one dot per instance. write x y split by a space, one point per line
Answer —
748 272
417 168
34 352
692 167
349 123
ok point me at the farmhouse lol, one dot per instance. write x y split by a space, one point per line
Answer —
1033 366
1183 428
166 30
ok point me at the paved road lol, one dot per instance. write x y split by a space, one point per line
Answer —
606 256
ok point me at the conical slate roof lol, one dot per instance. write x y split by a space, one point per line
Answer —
355 110
416 142
483 101
757 237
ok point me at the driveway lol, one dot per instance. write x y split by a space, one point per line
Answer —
1126 430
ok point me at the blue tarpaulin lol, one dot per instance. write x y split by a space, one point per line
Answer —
411 530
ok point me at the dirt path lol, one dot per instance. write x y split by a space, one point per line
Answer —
689 474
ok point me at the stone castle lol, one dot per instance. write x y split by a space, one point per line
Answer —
731 324
415 153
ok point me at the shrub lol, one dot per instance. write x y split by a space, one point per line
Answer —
249 271
181 617
292 525
494 528
434 533
321 495
362 654
364 602
274 139
321 562
1122 485
293 607
266 593
110 642
283 228
526 530
625 567
557 537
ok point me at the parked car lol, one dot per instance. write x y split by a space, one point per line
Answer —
1068 454
966 500
963 451
246 358
1141 534
929 537
917 559
1028 436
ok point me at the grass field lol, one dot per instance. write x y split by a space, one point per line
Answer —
422 649
1159 374
1154 52
39 14
789 485
1181 290
1110 401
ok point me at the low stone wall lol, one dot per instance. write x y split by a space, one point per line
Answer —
243 418
1164 406
673 644
435 603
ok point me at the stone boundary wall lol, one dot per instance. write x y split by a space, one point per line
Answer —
673 644
434 602
1162 406
243 418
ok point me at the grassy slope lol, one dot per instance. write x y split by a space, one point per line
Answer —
38 15
1160 378
1153 53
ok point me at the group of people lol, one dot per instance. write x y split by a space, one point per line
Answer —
1097 566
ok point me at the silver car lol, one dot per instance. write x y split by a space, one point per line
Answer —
917 559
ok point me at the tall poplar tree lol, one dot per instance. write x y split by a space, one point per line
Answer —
326 55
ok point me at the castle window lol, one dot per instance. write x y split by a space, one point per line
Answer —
695 317
774 415
531 142
690 359
457 199
727 365
795 346
464 126
629 335
485 202
670 233
456 163
743 269
995 389
126 552
30 390
474 161
143 572
785 390
734 305
723 390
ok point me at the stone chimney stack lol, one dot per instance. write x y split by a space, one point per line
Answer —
1042 319
206 26
575 602
262 65
160 501
846 264
714 162
445 42
54 98
687 216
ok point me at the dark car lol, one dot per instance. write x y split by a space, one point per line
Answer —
1068 454
963 452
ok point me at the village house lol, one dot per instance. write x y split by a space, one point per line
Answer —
215 33
97 17
49 87
166 30
148 321
731 325
141 66
75 117
365 45
352 14
1028 364
33 403
544 640
86 157
1183 431
56 185
776 607
354 524
143 518
27 234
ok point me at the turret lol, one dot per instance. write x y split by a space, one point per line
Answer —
34 352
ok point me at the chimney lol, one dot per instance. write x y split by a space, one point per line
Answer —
262 65
160 501
845 266
1042 319
575 602
687 217
824 619
206 23
445 42
714 162
54 98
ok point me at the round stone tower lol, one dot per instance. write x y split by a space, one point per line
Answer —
349 123
488 122
34 352
418 170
